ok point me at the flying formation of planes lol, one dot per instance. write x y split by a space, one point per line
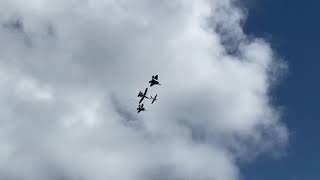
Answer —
153 81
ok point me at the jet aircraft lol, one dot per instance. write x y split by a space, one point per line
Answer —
141 108
143 95
153 99
154 81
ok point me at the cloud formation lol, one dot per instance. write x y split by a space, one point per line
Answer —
70 72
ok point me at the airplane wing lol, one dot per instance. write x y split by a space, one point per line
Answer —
141 99
152 82
154 99
156 77
145 92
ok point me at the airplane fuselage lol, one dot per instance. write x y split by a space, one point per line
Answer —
154 82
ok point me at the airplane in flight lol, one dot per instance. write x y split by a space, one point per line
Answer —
154 81
143 95
153 99
141 108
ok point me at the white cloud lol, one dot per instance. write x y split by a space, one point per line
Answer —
71 70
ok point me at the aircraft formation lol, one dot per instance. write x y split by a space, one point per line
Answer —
152 82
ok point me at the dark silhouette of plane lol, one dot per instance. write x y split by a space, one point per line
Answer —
153 99
141 108
154 81
143 95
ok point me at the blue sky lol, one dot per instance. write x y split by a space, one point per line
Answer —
293 28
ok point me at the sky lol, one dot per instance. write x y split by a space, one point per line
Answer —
229 107
294 32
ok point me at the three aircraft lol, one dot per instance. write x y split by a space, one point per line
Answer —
153 81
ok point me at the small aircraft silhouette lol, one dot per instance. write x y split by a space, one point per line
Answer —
141 108
154 81
143 95
153 99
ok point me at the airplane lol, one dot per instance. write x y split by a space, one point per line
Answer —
141 108
153 99
143 95
154 81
